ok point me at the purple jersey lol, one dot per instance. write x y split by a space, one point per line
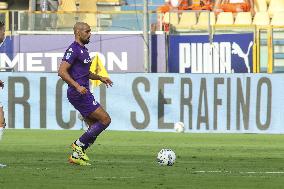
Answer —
79 59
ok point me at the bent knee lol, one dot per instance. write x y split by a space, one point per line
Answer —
106 120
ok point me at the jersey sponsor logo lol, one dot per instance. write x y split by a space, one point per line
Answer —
86 61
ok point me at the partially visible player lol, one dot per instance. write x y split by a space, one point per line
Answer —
74 70
1 84
2 119
2 32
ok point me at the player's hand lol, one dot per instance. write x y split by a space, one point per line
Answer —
82 90
106 81
1 84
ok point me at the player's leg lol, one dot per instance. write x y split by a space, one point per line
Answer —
89 123
95 116
2 121
101 121
98 121
79 147
2 126
84 104
2 118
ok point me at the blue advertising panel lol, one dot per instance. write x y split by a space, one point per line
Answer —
227 53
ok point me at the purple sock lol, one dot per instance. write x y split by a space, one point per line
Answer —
91 134
90 143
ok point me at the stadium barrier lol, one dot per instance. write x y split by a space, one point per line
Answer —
220 103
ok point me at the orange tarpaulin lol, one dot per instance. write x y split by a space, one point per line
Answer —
164 8
235 7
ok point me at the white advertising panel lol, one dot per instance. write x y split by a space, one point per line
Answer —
219 103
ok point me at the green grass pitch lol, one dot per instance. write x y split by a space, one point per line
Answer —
38 159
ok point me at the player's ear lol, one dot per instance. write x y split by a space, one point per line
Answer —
78 33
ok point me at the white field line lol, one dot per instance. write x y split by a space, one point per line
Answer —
242 172
207 171
266 172
114 177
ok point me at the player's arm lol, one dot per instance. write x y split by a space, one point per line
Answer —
63 73
1 84
105 80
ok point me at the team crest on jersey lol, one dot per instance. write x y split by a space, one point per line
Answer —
68 55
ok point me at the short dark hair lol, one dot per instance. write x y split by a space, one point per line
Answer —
2 24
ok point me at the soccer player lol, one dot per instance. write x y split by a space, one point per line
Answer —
74 70
2 38
2 119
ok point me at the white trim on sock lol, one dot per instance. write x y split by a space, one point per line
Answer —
79 143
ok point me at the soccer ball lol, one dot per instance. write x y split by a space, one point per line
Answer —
179 127
166 157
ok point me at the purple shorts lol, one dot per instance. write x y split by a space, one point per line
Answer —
85 104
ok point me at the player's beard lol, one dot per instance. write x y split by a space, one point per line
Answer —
86 41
